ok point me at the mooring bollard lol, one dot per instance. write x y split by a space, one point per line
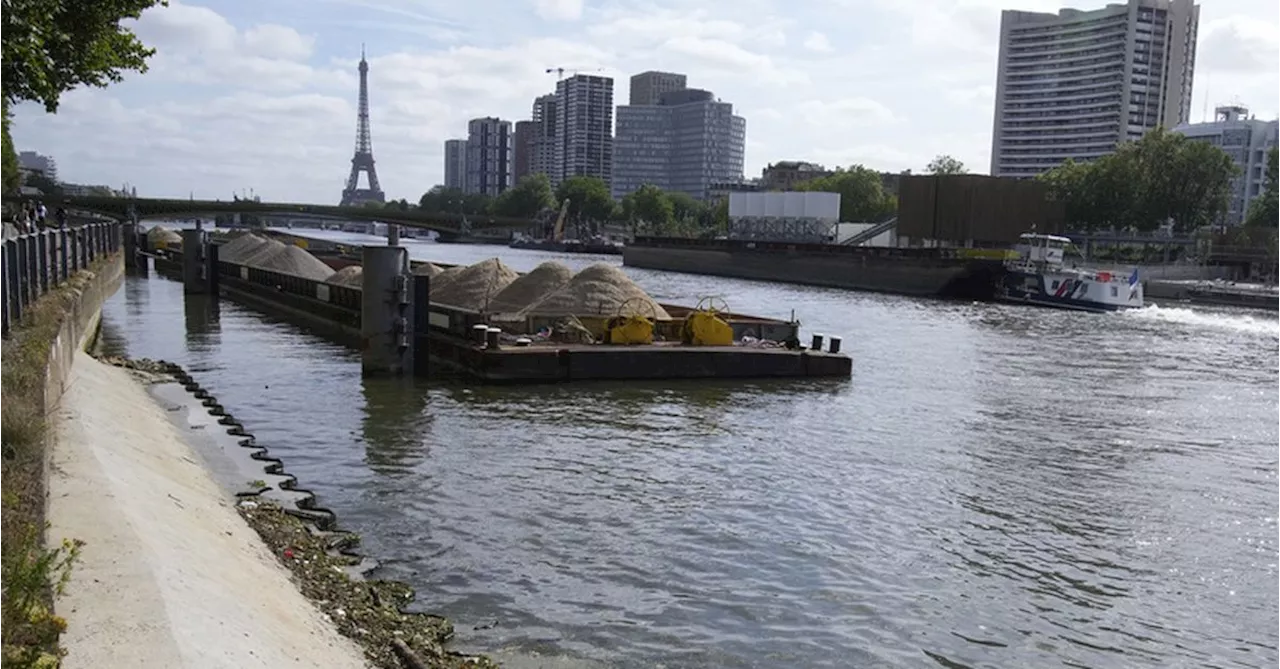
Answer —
479 333
386 311
834 346
492 338
816 344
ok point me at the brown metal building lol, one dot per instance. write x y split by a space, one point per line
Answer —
959 208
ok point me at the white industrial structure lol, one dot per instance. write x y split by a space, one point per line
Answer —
1074 84
802 217
1247 141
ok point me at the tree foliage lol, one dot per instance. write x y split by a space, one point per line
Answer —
453 201
53 46
589 199
862 194
1264 210
12 178
526 199
944 164
1162 177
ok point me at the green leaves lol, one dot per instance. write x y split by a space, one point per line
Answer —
53 46
454 201
862 195
1264 210
1162 177
589 198
944 164
526 199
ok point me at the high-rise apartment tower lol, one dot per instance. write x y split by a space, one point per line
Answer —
1073 85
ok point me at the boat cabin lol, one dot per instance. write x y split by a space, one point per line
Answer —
1035 248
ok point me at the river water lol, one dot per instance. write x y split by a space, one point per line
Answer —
996 486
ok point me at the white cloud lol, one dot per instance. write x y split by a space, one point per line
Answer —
269 104
559 10
817 41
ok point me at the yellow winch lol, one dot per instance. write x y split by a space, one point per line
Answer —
630 328
705 327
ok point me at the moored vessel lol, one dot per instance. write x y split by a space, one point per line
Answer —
1037 275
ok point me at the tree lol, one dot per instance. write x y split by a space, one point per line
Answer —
454 201
650 208
12 177
862 195
46 185
1264 210
589 199
685 208
53 46
1144 184
944 164
526 199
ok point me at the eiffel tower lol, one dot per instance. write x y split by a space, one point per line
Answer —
362 161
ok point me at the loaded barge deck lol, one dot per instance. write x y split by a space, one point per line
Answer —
442 337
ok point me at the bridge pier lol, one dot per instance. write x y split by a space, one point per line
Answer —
386 312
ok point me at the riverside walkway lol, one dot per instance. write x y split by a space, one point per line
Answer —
169 574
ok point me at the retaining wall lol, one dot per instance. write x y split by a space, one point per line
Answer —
80 327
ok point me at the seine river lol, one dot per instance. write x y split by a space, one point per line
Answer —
995 487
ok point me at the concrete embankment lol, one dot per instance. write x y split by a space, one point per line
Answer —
169 575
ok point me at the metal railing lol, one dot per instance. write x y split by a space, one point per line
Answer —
36 263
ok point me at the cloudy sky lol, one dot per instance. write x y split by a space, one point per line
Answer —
247 94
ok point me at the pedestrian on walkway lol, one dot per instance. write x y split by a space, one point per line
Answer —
41 213
61 215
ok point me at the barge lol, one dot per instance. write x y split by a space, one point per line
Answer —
961 273
445 336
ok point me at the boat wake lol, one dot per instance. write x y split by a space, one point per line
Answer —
1237 322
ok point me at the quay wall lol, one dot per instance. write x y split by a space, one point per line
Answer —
80 327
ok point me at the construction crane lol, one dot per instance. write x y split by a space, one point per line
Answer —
571 70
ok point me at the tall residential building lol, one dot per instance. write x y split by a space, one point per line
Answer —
35 162
489 156
544 118
1076 83
522 152
647 87
688 142
583 143
455 163
1247 141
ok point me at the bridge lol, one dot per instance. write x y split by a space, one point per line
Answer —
122 208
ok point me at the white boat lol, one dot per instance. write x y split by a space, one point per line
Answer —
1036 275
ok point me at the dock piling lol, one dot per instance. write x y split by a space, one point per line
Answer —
834 346
193 262
386 312
816 344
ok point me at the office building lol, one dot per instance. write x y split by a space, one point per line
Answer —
489 156
583 122
455 164
30 161
785 175
1247 141
647 87
522 151
688 142
1074 84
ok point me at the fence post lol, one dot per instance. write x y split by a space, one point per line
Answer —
62 254
5 288
42 259
13 280
21 282
82 244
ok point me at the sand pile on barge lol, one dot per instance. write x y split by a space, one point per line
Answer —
351 276
290 259
239 247
599 290
473 286
531 288
427 269
160 234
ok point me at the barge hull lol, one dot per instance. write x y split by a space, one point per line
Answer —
897 271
